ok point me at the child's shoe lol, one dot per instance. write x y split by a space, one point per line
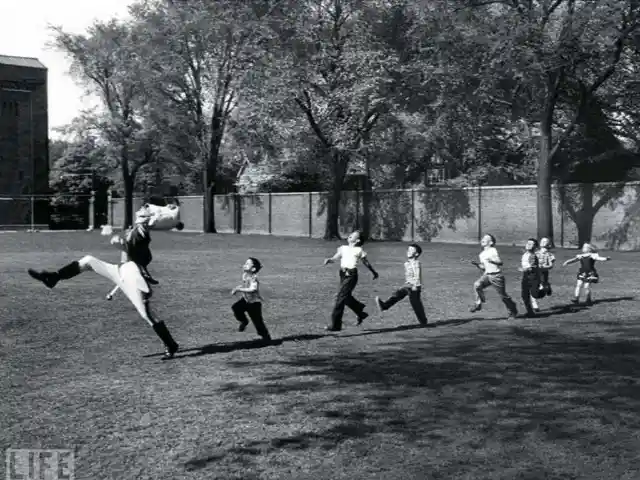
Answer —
476 308
361 317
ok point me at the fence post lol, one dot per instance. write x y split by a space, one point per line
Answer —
561 225
33 214
92 211
238 212
413 214
479 212
357 208
270 220
310 214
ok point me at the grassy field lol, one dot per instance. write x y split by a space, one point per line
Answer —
476 397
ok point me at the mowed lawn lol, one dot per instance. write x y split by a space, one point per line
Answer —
476 397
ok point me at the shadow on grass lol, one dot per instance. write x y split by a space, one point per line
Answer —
214 348
531 400
404 328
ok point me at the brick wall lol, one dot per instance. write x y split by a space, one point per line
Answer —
448 215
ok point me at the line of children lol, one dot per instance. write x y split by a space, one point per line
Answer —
536 262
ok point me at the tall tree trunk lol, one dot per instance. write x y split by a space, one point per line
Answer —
340 162
544 200
585 215
211 170
128 184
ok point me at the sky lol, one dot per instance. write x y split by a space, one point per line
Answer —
24 33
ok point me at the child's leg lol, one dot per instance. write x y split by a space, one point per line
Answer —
587 292
347 284
479 286
239 308
147 276
525 290
500 285
416 303
255 313
398 295
534 303
545 282
576 293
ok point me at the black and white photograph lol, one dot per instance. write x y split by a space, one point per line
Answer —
320 240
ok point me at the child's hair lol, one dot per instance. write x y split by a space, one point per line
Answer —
256 264
360 242
417 247
592 248
493 239
535 242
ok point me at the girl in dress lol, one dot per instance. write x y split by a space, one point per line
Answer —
587 274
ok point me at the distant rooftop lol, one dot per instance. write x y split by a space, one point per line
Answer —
28 62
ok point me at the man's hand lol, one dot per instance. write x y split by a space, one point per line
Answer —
327 261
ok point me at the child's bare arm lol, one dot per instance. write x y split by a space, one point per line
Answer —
601 259
367 264
335 258
477 264
570 261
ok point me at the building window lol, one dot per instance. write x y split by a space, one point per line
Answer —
436 175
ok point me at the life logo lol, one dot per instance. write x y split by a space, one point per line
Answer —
39 464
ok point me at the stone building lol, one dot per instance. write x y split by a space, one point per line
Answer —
24 142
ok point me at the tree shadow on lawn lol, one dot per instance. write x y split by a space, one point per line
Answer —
524 397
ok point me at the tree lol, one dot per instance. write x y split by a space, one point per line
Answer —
105 61
339 73
198 56
553 56
592 154
81 169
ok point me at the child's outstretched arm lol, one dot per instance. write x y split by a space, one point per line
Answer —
601 259
334 258
367 264
570 261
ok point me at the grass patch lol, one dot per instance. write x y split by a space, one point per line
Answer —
476 397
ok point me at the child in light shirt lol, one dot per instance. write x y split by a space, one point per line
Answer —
491 266
412 287
349 256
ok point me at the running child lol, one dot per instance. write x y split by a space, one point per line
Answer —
412 287
491 266
531 277
349 256
587 274
251 301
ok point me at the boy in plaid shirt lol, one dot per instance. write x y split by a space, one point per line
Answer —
546 260
412 286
